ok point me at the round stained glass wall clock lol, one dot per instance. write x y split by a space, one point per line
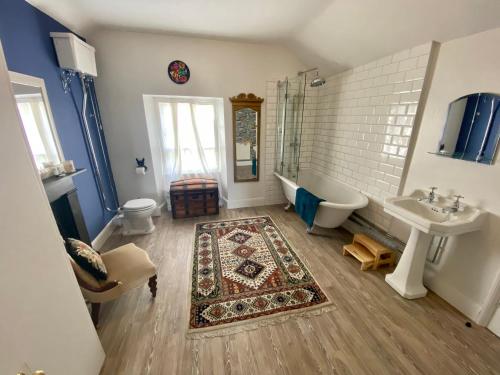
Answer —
178 72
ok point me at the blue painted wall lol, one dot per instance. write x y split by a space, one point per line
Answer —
28 48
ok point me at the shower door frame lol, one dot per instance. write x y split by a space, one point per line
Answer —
283 119
279 168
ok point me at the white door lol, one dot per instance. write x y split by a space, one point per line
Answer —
44 323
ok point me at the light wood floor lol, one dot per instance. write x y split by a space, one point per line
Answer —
371 331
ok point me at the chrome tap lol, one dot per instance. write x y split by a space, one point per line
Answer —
432 196
456 205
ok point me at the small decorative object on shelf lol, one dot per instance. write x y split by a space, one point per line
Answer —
178 71
69 166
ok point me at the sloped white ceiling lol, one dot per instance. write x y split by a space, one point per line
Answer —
331 34
255 20
349 33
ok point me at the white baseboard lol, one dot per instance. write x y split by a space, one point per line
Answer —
104 234
491 303
453 296
250 202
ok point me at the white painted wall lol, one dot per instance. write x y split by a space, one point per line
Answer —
44 323
131 64
467 271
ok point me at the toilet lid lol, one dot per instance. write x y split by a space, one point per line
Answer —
139 204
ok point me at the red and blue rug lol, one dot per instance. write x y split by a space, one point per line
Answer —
245 271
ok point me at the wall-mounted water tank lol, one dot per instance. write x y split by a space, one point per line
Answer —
73 53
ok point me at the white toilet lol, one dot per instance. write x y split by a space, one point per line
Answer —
137 216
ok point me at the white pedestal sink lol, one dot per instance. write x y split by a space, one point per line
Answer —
426 220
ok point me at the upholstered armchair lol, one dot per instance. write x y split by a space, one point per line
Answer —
128 267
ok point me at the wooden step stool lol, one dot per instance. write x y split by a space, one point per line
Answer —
369 252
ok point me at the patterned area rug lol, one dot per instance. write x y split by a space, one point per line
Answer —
244 271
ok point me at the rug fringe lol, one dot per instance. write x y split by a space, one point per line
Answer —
265 322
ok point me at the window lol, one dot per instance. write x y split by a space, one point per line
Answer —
37 128
189 135
38 125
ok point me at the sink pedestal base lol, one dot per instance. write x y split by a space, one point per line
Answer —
407 278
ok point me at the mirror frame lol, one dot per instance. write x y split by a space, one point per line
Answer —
243 101
27 80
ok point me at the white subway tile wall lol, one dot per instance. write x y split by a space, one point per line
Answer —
308 126
363 122
357 127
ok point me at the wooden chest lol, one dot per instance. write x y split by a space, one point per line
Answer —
191 197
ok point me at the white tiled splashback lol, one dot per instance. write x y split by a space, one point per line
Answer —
357 127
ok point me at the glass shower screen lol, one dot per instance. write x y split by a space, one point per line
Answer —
289 117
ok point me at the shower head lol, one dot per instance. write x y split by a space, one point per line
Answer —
318 81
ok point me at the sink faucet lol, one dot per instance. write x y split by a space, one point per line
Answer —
456 205
432 196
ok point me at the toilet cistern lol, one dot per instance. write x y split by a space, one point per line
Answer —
429 215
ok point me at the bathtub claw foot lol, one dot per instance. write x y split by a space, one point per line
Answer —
309 230
288 206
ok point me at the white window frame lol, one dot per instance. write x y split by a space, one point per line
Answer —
27 80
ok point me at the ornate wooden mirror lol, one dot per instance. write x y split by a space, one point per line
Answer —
246 137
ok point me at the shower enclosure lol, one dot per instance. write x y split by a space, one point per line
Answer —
289 116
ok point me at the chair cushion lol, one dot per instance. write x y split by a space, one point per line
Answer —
83 276
87 258
127 264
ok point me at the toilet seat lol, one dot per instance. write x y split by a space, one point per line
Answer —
136 216
141 204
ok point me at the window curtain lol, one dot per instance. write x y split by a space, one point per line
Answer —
189 139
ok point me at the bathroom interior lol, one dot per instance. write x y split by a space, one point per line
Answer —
192 187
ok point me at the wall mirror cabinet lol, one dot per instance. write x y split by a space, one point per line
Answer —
472 129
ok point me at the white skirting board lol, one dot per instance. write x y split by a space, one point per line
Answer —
105 233
251 202
453 296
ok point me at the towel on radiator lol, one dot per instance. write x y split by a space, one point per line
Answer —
306 205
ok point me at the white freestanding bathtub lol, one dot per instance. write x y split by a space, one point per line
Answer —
340 199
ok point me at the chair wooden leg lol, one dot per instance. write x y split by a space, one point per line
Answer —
152 285
95 313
